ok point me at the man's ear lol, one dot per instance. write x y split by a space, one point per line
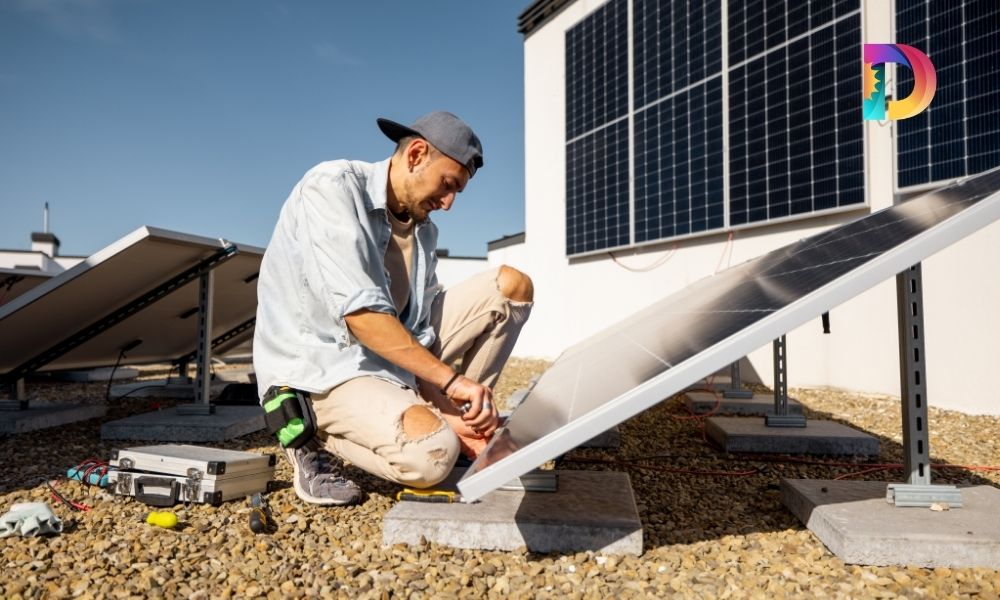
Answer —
417 153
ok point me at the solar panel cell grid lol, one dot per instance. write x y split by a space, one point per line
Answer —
597 133
597 69
597 190
678 118
678 181
795 140
796 143
954 136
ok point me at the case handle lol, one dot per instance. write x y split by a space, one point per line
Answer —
156 499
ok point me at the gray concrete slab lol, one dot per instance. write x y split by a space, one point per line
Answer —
760 404
94 374
167 425
750 434
855 522
44 417
592 510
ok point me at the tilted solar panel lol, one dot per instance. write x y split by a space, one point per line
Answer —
88 293
662 349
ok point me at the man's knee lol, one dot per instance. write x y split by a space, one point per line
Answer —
429 450
419 422
515 285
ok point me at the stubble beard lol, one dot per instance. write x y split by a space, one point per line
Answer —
412 203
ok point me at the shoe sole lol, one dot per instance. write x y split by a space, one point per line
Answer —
307 497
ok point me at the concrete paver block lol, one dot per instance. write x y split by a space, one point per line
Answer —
746 434
43 417
855 522
592 510
102 374
760 404
167 425
162 389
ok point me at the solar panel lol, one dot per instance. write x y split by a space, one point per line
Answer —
85 294
662 349
14 282
597 184
956 135
597 190
796 142
677 49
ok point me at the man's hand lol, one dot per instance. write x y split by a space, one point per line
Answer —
481 416
385 335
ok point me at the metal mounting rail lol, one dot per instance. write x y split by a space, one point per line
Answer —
917 491
781 417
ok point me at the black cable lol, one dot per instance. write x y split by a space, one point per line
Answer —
107 392
121 354
152 385
142 387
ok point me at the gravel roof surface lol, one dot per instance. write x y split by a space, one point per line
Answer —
705 536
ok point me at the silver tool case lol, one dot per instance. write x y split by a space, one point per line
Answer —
166 474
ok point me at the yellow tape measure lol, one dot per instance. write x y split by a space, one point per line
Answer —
426 495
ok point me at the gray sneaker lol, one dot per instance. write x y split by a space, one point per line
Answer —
318 479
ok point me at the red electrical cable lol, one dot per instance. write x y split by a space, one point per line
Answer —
623 463
728 246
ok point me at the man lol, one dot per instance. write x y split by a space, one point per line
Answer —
350 311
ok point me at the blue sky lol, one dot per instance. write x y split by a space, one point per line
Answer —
201 116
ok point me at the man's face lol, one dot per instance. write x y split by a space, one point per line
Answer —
432 184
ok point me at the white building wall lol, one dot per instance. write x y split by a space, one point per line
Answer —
576 298
21 259
452 270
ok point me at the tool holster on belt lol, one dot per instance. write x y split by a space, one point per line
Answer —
288 413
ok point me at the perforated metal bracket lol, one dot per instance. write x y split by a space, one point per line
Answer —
534 481
792 420
17 398
203 352
904 494
781 416
736 391
918 490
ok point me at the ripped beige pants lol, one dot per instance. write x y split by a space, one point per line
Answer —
361 420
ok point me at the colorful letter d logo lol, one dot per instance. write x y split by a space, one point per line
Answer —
924 81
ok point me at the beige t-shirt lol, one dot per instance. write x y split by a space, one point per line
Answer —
399 260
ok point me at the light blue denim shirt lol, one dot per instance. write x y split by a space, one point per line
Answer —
325 261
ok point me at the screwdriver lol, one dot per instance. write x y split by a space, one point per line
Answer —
259 521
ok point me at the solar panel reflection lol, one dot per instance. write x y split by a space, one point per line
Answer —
673 343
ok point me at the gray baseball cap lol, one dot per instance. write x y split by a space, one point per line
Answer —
444 131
